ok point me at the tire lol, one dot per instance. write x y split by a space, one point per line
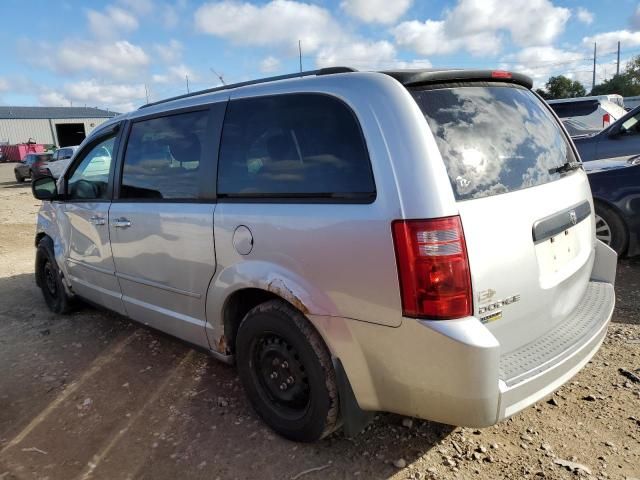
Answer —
611 229
19 178
49 279
287 373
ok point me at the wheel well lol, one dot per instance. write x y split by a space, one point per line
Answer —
237 306
616 211
39 237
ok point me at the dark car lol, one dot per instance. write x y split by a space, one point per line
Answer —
33 165
615 185
620 140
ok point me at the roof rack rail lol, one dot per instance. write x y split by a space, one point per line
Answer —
321 71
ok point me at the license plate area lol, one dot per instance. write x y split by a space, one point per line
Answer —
556 254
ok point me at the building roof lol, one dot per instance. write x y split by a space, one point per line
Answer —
53 112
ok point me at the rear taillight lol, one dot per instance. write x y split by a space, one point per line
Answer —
606 120
433 268
501 74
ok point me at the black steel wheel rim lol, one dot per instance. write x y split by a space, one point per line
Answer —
50 279
280 376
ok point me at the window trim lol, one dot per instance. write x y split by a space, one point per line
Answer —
115 129
302 198
210 147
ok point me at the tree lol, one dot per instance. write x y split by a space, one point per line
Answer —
622 84
562 87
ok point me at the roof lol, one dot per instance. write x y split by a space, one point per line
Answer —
405 77
53 112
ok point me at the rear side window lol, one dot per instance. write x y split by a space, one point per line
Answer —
163 157
575 109
293 146
493 139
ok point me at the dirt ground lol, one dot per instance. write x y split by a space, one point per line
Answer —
92 395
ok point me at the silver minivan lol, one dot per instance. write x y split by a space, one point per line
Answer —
418 242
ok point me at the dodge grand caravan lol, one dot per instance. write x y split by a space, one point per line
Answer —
417 242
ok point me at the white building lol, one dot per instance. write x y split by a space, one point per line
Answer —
60 126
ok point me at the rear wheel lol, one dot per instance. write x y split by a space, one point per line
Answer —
49 279
610 228
287 373
19 178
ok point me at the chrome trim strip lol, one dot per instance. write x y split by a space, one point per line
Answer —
90 267
161 286
559 222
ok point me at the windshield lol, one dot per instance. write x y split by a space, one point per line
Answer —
493 138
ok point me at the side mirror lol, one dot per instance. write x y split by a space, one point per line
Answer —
44 188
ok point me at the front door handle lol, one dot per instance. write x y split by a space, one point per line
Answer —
121 222
97 220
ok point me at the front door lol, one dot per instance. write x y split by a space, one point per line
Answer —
626 144
88 257
162 227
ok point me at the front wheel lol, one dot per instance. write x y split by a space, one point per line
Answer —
287 373
610 229
49 279
19 178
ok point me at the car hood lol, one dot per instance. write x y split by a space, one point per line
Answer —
614 163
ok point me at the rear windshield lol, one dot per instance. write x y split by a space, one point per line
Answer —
493 139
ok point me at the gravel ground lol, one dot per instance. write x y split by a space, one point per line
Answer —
92 395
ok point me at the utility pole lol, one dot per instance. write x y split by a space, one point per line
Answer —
618 65
146 92
187 78
593 83
300 54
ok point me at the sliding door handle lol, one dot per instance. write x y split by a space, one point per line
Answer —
121 222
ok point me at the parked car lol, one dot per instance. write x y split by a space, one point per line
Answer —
34 165
619 140
598 112
615 185
61 159
417 242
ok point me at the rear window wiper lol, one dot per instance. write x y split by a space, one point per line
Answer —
566 167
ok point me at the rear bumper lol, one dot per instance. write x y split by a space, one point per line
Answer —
452 372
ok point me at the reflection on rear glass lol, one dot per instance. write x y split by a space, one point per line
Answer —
493 139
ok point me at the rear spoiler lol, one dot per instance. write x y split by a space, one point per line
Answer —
412 78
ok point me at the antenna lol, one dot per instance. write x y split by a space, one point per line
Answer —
146 92
187 78
300 54
219 76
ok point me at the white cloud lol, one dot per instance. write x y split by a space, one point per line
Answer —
169 52
4 85
170 16
542 62
176 74
376 11
111 22
119 59
584 15
477 26
608 42
117 97
140 7
269 64
634 20
277 23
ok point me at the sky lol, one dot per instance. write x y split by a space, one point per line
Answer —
116 54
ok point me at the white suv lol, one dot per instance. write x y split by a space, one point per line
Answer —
60 161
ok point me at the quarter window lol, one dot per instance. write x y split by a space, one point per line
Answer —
163 157
298 145
90 178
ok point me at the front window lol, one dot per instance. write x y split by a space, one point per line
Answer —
90 179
